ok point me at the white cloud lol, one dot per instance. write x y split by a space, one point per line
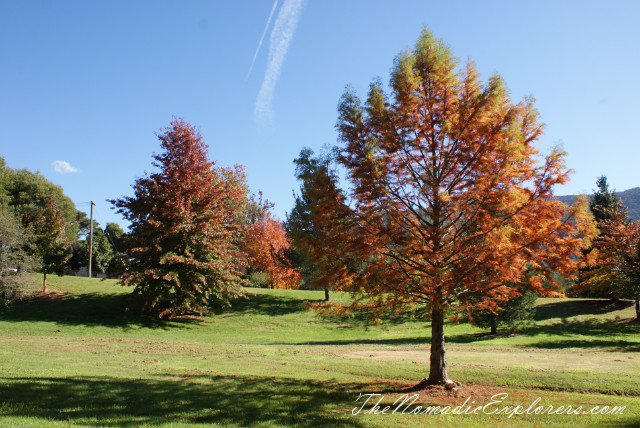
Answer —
63 167
281 36
264 33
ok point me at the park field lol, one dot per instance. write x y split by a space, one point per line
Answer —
76 357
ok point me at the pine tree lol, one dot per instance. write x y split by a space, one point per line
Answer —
317 223
598 277
603 201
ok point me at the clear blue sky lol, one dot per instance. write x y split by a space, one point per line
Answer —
89 83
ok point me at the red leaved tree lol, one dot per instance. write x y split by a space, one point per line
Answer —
450 202
264 240
185 228
52 246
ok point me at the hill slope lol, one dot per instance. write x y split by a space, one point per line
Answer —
631 198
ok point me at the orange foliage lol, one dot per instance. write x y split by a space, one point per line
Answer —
320 223
264 239
451 200
615 260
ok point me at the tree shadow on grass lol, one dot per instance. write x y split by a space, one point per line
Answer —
263 304
611 345
633 422
224 400
393 342
88 309
596 335
588 327
573 307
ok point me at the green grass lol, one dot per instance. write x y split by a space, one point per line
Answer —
83 360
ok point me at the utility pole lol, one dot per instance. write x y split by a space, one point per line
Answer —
91 237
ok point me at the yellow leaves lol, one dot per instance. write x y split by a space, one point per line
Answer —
584 221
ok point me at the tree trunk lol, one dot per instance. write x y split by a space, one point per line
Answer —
326 294
438 367
494 326
637 309
44 281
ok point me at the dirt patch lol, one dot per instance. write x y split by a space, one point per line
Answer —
439 394
51 295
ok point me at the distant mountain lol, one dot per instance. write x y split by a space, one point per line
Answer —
631 198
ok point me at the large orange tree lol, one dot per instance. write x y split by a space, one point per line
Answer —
450 198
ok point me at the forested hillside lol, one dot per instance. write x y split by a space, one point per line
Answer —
631 199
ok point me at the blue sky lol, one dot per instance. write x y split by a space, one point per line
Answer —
89 83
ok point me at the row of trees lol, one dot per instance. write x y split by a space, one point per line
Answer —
43 231
448 208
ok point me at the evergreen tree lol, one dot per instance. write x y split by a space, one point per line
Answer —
603 201
508 313
317 221
607 209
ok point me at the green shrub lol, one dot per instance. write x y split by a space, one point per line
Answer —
512 313
259 279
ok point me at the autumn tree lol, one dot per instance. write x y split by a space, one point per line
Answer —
264 239
52 246
318 221
450 198
610 214
183 242
614 263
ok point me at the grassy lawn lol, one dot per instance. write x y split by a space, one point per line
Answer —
80 359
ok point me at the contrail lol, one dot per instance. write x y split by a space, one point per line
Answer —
281 36
264 33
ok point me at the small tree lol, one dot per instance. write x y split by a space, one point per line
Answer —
184 235
51 242
450 198
263 240
508 313
318 221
